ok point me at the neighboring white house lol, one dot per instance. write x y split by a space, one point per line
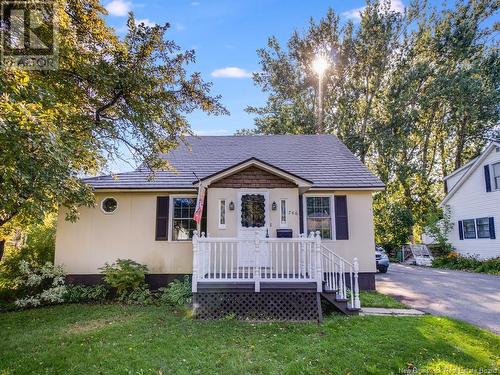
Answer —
474 201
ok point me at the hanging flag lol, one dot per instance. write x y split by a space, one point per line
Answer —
199 203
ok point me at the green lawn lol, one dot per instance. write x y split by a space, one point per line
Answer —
114 339
376 299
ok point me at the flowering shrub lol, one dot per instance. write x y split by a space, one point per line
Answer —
455 261
125 275
45 284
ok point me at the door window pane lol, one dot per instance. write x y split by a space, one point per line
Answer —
283 211
222 213
253 210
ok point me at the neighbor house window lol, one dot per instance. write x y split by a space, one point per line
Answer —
109 205
496 175
469 228
222 213
483 227
319 216
183 224
283 212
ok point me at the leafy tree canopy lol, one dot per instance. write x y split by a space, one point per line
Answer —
414 95
107 95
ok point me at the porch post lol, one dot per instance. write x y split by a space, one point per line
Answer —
256 272
194 281
357 302
319 272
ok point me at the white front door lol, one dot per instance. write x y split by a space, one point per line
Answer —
253 219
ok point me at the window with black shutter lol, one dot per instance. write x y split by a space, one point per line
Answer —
341 220
162 206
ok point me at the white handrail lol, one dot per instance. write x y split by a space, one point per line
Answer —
302 259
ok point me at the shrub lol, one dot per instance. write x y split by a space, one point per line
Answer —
138 296
125 275
45 285
86 293
456 261
177 293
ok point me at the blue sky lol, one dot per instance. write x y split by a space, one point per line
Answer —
226 34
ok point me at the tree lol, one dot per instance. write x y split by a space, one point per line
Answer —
108 94
413 95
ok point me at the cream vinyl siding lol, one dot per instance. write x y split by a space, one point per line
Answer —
471 201
84 246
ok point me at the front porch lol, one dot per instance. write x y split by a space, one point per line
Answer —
271 275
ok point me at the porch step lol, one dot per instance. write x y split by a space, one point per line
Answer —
340 304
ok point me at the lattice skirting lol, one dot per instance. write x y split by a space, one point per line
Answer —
268 305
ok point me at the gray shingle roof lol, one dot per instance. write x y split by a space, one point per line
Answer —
322 159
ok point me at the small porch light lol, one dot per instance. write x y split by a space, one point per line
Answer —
231 206
274 206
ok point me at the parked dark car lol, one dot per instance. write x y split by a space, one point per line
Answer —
381 259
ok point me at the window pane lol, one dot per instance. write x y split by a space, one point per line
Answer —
483 227
182 223
283 211
469 228
222 218
496 175
319 216
253 211
183 229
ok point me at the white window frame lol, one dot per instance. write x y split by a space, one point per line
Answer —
283 224
494 178
475 229
171 215
332 213
219 204
112 212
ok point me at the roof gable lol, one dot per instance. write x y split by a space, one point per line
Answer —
472 168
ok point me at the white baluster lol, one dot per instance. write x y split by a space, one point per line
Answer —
357 302
194 282
319 273
257 262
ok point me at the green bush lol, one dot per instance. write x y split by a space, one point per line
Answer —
125 275
86 293
36 251
44 285
456 261
177 293
138 296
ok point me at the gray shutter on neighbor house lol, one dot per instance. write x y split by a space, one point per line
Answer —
341 221
460 230
162 206
492 228
487 178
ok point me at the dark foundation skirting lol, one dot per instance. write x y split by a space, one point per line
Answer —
154 281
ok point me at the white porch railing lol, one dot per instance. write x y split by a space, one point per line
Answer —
288 260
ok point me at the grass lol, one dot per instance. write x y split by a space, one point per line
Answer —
376 299
114 339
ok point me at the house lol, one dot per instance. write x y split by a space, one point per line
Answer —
284 218
474 202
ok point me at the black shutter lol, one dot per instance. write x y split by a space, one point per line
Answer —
162 204
487 178
203 224
460 230
341 224
492 228
301 214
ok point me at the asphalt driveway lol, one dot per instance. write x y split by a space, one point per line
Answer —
472 297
